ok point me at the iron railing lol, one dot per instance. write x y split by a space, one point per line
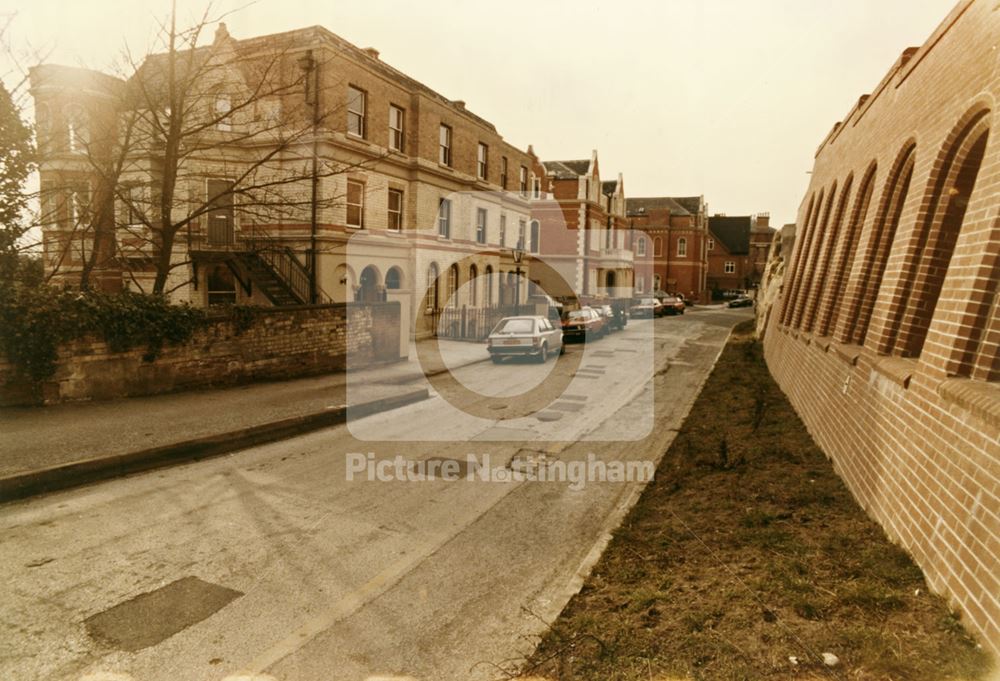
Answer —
469 323
255 242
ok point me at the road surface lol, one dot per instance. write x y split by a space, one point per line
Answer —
270 563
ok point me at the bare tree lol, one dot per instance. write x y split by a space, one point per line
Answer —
193 134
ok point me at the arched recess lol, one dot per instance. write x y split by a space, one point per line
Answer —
829 239
434 286
844 258
876 255
823 211
929 253
369 285
453 281
473 285
488 299
798 255
394 279
807 278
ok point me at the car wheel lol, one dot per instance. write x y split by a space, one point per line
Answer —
543 354
562 348
496 359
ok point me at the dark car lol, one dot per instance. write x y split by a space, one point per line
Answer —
742 301
583 324
608 314
673 305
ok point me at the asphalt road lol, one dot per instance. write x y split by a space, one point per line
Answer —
271 563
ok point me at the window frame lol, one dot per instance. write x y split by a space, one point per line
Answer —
482 221
397 212
503 230
444 145
362 115
523 181
682 247
503 172
397 136
482 161
360 204
729 267
444 218
640 246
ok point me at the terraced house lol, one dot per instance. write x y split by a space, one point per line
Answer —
281 169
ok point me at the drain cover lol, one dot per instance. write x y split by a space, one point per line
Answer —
155 616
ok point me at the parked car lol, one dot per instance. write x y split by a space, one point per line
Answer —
527 336
742 301
647 307
673 305
584 324
608 314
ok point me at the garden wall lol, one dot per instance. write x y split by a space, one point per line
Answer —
274 344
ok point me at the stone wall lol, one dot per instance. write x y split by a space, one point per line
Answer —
279 343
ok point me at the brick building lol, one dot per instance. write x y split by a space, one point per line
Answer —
886 335
416 195
671 245
729 260
761 237
584 238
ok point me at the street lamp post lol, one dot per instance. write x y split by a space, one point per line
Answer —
518 253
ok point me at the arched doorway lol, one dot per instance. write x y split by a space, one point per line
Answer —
368 291
488 300
473 286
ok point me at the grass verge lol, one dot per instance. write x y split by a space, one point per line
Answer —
747 558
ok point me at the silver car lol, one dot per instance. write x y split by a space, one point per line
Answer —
527 336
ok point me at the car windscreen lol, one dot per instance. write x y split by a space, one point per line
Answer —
512 326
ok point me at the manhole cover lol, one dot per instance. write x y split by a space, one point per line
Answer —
155 616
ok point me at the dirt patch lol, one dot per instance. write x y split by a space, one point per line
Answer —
747 558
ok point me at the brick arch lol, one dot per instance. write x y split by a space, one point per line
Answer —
842 260
812 255
929 251
798 258
831 238
876 254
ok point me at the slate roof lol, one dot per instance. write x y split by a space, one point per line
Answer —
567 170
642 206
692 204
732 231
608 188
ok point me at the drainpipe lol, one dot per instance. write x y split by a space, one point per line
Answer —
311 67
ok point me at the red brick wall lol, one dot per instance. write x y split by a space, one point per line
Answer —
281 343
886 346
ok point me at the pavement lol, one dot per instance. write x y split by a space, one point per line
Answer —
44 448
277 562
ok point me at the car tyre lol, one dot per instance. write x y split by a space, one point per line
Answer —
543 354
496 359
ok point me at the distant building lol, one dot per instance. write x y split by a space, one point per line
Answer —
761 237
583 236
729 261
671 246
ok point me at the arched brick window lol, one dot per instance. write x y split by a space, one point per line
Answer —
453 285
929 252
473 285
824 251
876 253
840 268
978 356
434 287
820 220
800 248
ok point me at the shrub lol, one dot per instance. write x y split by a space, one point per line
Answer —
34 322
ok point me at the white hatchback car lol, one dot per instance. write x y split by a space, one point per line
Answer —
527 336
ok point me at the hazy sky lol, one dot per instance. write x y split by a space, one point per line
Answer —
726 98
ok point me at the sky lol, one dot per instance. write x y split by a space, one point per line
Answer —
724 98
